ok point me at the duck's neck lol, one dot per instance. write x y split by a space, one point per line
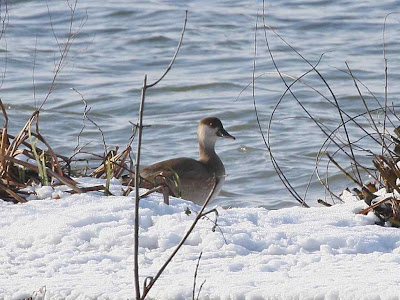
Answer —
207 151
210 159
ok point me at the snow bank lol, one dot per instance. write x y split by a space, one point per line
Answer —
80 247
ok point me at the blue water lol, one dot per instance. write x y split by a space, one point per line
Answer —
119 42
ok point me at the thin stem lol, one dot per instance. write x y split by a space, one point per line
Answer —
137 183
175 55
195 274
188 232
139 129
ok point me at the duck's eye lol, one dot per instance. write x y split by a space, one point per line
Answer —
211 124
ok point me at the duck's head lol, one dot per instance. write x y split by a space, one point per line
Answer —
210 129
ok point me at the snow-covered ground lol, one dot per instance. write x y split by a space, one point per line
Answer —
81 246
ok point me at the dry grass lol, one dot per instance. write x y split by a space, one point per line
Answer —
27 158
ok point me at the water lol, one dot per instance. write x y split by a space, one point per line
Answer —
120 42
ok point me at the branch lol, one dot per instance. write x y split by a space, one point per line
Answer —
175 55
139 130
183 240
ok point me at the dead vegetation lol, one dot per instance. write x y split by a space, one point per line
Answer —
383 197
363 147
23 162
27 158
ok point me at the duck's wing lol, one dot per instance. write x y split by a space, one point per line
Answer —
182 167
181 175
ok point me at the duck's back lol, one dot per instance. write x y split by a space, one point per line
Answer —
186 178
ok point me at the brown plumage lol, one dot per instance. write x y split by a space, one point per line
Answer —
188 178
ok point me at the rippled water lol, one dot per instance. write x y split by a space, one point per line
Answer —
120 41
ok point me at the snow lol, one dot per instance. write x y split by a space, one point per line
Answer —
81 247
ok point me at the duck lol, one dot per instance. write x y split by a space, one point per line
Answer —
188 178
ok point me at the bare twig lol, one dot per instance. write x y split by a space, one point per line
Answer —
317 72
180 244
274 163
4 19
384 146
320 201
62 179
201 287
174 57
137 183
33 73
139 130
12 193
366 210
195 275
63 48
215 225
343 170
86 111
386 72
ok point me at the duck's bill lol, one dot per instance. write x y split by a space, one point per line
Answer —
223 133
